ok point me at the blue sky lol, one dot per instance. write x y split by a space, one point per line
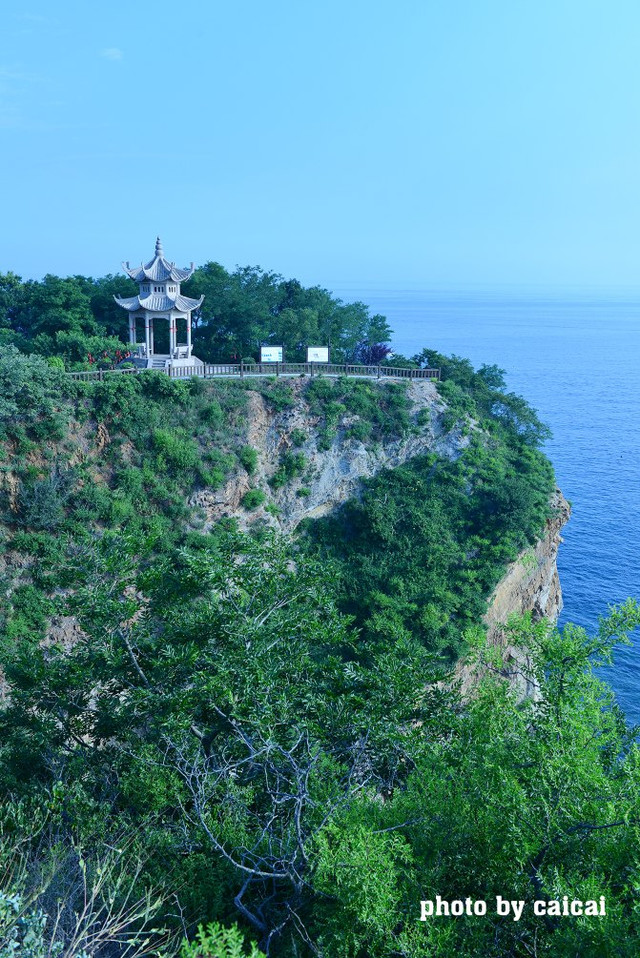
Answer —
402 143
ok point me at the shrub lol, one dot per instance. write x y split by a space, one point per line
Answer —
159 386
317 393
213 478
248 456
30 391
292 464
212 414
325 438
41 504
216 941
92 502
298 437
359 430
280 396
29 612
176 449
382 407
334 412
253 499
56 362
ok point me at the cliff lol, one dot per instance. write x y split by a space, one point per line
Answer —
335 474
530 584
269 455
332 472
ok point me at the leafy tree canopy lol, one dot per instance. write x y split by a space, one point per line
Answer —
243 310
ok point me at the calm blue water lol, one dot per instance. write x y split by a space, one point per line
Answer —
577 361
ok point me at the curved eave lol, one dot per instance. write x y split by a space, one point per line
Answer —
159 303
159 270
130 303
186 304
136 274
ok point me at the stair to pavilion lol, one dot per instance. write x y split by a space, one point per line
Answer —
158 362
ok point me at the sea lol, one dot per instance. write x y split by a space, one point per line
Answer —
575 356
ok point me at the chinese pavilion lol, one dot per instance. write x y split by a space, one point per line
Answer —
159 299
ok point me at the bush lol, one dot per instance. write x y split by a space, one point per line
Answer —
159 386
383 408
30 392
325 438
248 456
30 608
115 395
212 414
176 449
75 347
56 362
280 396
292 464
428 541
41 504
359 430
215 941
212 478
318 391
253 499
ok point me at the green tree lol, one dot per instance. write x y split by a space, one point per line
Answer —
530 800
222 683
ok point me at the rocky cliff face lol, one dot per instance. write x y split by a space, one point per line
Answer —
331 475
530 584
333 472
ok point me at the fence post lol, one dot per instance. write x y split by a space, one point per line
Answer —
277 369
241 369
378 372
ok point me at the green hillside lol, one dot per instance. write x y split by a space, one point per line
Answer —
200 724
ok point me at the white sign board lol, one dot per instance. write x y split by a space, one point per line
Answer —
317 354
271 354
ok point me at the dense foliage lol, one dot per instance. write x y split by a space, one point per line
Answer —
217 719
421 550
76 317
203 728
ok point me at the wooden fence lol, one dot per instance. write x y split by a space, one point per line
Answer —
242 370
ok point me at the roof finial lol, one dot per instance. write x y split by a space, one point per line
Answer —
159 250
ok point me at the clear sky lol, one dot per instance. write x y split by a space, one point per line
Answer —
428 142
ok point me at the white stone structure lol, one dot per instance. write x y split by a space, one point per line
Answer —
159 299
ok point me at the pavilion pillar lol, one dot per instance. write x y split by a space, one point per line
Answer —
132 330
151 336
147 331
189 335
172 336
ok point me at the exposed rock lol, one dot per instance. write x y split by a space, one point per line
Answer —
9 482
64 632
330 476
530 584
102 437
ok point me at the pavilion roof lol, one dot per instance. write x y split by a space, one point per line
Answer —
159 303
159 269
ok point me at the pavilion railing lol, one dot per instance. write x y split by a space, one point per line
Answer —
240 370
